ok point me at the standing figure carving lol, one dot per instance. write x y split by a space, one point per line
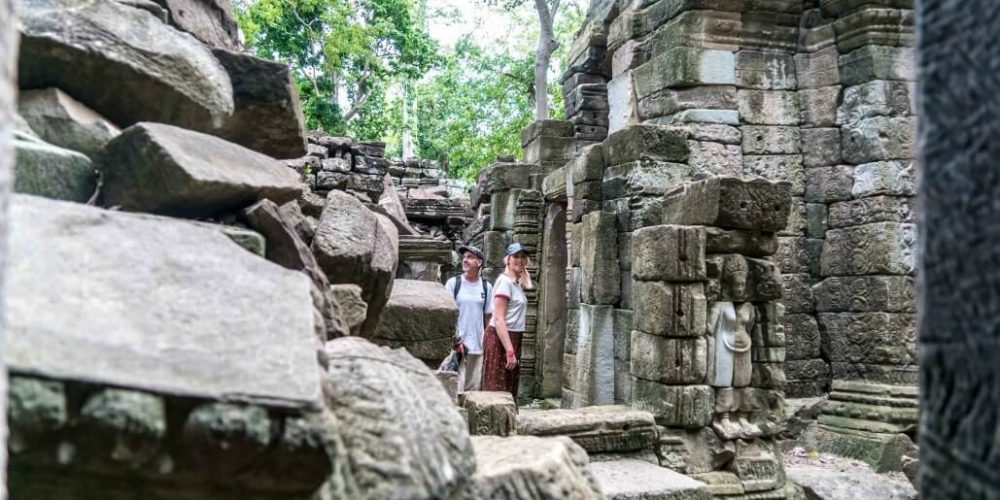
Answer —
730 365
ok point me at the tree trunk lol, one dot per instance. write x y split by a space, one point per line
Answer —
547 44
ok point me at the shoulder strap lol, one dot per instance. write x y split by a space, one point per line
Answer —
458 284
486 295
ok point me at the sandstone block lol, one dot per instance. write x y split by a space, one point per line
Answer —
664 360
595 354
670 310
816 220
892 178
879 138
491 413
829 184
597 429
802 336
63 121
878 62
530 468
796 219
745 242
821 147
730 203
879 248
794 255
599 259
645 142
866 294
685 67
715 158
819 106
635 479
818 69
768 107
687 406
797 293
736 278
74 45
875 98
667 102
765 70
669 253
644 178
706 29
43 169
870 338
871 210
777 168
419 316
771 139
813 369
588 165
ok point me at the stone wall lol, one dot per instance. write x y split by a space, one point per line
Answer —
8 90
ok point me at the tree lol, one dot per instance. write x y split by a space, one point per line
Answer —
340 51
547 44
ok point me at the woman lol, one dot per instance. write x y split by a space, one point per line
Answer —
502 351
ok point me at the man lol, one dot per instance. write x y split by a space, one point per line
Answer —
474 297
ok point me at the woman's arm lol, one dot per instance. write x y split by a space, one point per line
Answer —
500 317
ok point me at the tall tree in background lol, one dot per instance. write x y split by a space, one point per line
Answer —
547 45
341 51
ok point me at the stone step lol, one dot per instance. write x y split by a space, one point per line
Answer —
638 480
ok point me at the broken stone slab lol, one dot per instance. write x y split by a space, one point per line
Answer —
155 304
152 167
63 121
598 429
353 309
638 480
43 169
530 468
490 412
267 116
824 483
211 21
730 203
168 76
420 316
355 246
668 253
402 437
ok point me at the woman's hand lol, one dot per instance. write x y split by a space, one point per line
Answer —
511 360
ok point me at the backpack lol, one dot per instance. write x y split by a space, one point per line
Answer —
458 285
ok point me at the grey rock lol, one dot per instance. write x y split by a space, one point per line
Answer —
730 203
771 139
155 304
164 169
211 21
665 360
352 307
53 172
492 413
669 253
777 168
76 45
672 310
598 429
871 210
638 480
63 121
421 317
879 248
687 406
8 93
822 483
598 259
401 434
749 243
645 142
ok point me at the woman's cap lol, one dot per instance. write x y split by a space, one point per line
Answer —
514 248
475 251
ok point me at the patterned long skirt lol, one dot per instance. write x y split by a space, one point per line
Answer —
496 376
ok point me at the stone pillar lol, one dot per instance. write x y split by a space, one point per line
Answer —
958 282
8 90
585 82
552 303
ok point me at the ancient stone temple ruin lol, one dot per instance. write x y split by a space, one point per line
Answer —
721 232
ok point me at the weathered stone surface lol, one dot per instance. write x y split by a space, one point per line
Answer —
355 246
671 310
42 169
599 259
668 360
685 67
735 278
76 45
879 248
638 480
8 86
530 468
819 106
830 484
594 365
598 429
802 336
211 21
818 69
821 147
796 256
877 62
892 178
715 158
814 369
879 138
765 70
698 28
768 139
870 338
642 178
401 434
63 121
730 203
874 98
829 184
768 107
668 253
871 210
866 294
588 165
155 304
668 102
267 116
786 168
749 243
490 413
688 406
421 317
645 142
165 169
797 293
351 306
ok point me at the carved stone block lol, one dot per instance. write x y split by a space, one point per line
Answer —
802 337
749 243
685 67
687 406
870 338
670 310
875 98
871 210
777 168
715 158
818 69
866 294
821 147
829 184
893 178
771 139
769 107
819 106
765 70
879 138
736 278
730 203
669 253
645 142
644 178
878 62
490 413
797 293
668 360
879 248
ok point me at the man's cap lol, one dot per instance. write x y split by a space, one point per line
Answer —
514 248
477 252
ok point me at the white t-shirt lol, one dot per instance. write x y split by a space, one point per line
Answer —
517 303
470 310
